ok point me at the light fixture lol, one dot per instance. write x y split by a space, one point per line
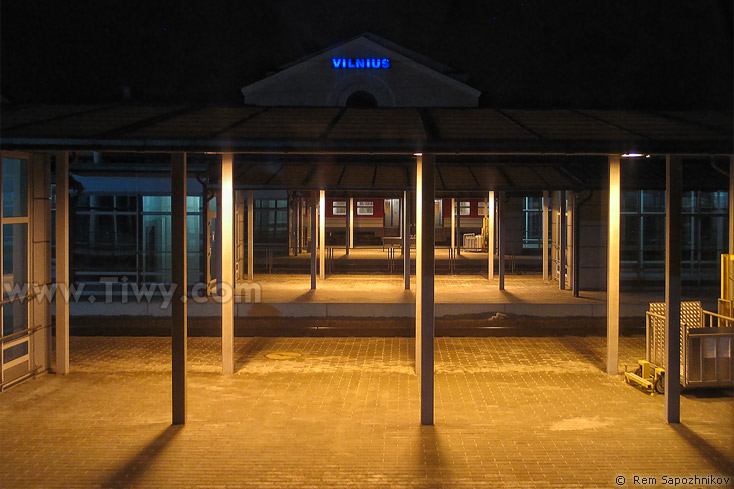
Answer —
634 155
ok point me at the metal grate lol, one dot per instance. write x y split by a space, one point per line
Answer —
690 317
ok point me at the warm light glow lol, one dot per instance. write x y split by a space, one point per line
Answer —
634 155
417 154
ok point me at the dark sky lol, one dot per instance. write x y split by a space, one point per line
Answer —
520 53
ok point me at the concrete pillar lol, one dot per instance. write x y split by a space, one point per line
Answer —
545 232
502 238
179 329
351 222
227 273
615 196
322 234
312 223
62 262
406 240
563 235
250 235
673 231
491 202
424 310
731 205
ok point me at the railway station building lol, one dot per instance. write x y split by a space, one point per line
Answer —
363 160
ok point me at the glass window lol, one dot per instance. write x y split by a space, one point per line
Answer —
533 214
15 257
339 208
365 208
156 203
15 187
464 208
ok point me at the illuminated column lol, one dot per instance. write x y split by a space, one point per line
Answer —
490 236
502 238
226 293
250 235
453 224
178 277
322 234
545 235
62 261
612 265
424 310
312 223
563 236
406 240
351 222
731 205
673 231
575 245
347 230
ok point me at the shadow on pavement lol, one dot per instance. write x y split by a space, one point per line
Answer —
128 474
723 463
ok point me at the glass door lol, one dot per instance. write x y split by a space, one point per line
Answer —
16 355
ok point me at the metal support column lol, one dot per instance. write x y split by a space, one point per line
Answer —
673 231
62 262
179 327
322 234
491 202
406 240
250 235
314 231
453 224
613 265
226 286
351 222
545 231
347 232
502 238
563 237
424 313
575 245
731 205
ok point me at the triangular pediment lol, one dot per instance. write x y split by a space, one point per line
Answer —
394 76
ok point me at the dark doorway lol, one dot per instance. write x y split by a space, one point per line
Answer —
361 98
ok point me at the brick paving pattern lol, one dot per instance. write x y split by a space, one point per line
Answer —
343 412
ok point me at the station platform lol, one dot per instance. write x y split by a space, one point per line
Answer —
369 296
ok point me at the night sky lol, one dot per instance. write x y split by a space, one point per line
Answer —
540 54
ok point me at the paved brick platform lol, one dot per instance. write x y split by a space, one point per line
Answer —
343 412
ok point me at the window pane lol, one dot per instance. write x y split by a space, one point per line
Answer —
653 201
15 257
156 203
15 187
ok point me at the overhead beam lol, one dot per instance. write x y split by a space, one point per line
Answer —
673 232
179 327
62 262
615 196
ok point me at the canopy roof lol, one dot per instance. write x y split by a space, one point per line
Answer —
474 131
